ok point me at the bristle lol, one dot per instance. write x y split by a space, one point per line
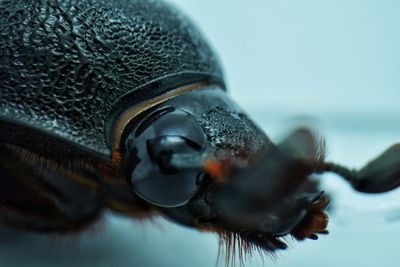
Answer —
241 246
321 151
111 170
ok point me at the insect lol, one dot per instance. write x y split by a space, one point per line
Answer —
122 105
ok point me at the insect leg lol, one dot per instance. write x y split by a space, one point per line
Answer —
38 195
380 175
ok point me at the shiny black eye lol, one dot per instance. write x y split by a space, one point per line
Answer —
155 140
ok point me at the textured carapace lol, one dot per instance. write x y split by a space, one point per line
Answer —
68 67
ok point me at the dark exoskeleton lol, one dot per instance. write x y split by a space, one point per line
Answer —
121 105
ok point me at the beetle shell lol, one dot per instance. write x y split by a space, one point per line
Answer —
117 105
69 68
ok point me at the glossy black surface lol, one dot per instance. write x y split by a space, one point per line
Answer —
200 122
66 66
161 135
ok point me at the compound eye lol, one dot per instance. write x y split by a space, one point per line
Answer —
159 136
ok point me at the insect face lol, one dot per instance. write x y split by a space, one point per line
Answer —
167 146
203 163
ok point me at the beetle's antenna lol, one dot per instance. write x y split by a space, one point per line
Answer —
349 175
379 175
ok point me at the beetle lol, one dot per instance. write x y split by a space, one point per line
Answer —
122 105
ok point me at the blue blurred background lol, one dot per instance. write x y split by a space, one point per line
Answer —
332 64
338 55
